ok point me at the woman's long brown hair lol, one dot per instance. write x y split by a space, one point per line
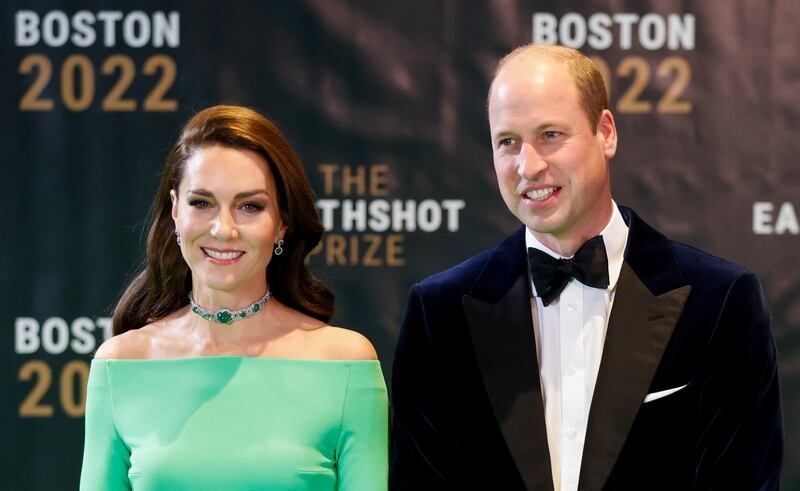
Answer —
162 286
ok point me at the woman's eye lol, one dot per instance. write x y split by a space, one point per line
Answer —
253 207
199 203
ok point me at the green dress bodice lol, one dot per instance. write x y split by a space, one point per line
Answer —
235 423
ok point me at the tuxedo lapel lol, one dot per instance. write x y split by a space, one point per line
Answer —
639 329
499 317
649 299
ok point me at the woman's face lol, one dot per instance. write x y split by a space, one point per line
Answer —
226 211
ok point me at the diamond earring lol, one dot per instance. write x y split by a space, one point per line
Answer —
278 248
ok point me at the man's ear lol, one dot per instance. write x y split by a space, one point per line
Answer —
607 130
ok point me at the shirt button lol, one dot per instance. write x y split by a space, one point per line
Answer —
570 433
571 307
571 371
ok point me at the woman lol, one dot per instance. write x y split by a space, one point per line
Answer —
223 373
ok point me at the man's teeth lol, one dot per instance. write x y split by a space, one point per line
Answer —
540 194
223 255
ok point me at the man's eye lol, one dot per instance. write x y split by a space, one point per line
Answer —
549 135
505 142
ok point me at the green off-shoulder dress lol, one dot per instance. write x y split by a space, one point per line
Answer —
235 423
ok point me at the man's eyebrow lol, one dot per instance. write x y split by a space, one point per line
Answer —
548 124
538 129
503 134
242 195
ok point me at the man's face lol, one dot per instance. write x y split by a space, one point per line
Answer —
551 167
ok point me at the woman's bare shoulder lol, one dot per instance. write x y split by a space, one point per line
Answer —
135 344
346 344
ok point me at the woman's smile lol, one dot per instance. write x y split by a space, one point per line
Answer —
222 256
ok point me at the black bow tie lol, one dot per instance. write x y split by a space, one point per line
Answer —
550 275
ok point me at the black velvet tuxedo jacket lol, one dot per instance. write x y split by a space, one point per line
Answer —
466 396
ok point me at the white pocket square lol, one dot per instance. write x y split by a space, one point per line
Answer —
662 393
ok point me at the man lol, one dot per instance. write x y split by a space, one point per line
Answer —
586 351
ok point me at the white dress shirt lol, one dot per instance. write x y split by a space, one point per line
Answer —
570 333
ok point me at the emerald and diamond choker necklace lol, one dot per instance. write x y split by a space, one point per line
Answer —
227 316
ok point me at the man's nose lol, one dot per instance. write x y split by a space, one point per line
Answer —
224 226
530 164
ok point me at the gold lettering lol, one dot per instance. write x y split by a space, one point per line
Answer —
127 70
394 250
378 179
630 102
670 102
370 250
74 407
328 170
369 256
335 246
31 100
155 99
353 249
359 178
31 406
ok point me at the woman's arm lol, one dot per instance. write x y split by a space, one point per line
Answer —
106 458
363 446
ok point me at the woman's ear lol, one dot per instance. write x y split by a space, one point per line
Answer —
281 232
173 195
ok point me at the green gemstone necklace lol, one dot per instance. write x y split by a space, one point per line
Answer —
227 316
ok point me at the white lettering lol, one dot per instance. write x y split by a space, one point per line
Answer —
354 214
27 28
83 341
626 22
49 35
429 215
26 335
166 30
106 325
544 28
572 30
762 217
681 31
453 206
109 19
404 213
327 206
84 34
787 220
379 215
55 335
129 28
652 31
600 36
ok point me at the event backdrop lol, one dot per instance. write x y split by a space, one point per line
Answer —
385 103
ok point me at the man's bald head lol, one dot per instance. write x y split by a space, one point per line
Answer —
587 78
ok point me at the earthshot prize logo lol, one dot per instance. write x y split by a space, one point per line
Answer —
364 226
